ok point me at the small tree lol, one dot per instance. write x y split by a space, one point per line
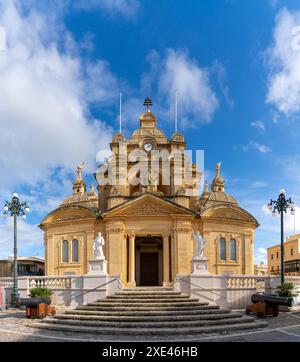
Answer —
39 292
286 290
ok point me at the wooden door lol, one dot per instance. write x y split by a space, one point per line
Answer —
149 269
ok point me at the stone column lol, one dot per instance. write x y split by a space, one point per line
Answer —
166 262
131 282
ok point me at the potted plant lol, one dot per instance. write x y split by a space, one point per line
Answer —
286 290
37 295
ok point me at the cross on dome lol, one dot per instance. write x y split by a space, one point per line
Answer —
148 103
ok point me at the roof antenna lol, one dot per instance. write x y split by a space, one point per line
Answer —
176 111
120 112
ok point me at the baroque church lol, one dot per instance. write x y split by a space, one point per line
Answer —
148 223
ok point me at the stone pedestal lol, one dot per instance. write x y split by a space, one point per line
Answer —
98 266
199 266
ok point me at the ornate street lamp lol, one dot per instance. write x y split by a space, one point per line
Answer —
281 206
15 209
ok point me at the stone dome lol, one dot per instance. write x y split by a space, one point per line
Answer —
89 200
221 197
177 137
119 137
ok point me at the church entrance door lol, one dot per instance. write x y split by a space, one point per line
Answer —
149 275
149 261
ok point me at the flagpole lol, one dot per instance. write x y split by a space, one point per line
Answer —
120 119
176 111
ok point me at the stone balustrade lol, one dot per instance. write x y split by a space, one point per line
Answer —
67 290
63 282
230 291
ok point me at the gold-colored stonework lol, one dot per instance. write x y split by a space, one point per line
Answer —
148 225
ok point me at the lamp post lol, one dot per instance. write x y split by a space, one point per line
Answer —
15 209
281 206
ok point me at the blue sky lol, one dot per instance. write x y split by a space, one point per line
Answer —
236 66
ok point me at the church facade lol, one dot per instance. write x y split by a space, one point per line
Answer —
147 206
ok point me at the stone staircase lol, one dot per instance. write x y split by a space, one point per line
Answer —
148 311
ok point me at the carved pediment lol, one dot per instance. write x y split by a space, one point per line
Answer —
147 205
229 213
68 214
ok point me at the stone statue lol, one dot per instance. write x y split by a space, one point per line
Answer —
98 246
199 245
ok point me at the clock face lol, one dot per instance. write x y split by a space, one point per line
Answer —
148 147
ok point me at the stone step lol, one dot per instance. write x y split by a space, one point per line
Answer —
150 313
154 292
178 308
147 304
141 319
149 289
149 325
225 328
142 298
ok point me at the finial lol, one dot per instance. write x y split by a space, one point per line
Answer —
92 188
148 103
218 182
206 187
218 168
79 170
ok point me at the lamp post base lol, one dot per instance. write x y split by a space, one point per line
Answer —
15 299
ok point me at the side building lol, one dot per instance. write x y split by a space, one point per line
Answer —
27 266
291 257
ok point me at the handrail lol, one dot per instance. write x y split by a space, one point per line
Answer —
91 290
198 286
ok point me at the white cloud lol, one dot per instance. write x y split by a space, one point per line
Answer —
46 127
221 73
196 96
44 105
273 3
252 145
258 124
292 223
275 117
126 8
30 237
197 101
261 255
258 184
283 59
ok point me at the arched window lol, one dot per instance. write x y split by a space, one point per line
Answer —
222 249
75 250
65 251
232 249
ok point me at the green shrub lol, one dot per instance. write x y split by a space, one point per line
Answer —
286 290
39 292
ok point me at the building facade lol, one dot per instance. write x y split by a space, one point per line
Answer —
260 269
27 265
147 222
291 257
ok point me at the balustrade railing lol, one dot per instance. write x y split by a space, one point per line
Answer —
63 282
6 282
241 282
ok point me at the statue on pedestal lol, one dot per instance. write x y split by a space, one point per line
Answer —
199 245
98 246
